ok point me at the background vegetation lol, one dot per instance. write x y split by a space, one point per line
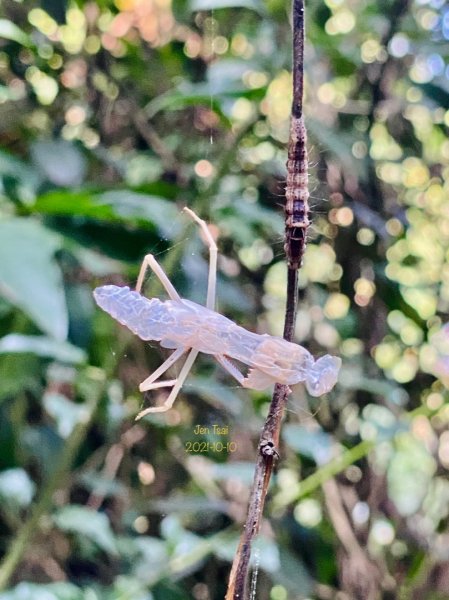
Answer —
113 116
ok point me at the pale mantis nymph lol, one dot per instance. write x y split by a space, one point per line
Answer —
185 326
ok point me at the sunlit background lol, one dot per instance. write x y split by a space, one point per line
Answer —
113 116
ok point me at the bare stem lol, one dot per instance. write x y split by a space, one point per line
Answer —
296 221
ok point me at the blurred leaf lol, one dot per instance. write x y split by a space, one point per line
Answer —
196 5
16 343
84 521
265 551
188 550
131 205
96 263
99 484
184 503
215 393
380 423
213 94
60 161
44 445
151 562
10 31
47 591
67 414
30 277
16 487
127 588
409 473
315 444
167 590
266 554
116 206
81 309
293 574
28 177
244 471
19 373
225 545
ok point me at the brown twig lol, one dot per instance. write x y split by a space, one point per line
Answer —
152 138
296 223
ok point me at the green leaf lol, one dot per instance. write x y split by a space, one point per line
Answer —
67 414
132 205
409 474
127 588
315 444
10 31
16 343
180 98
184 503
48 591
293 574
222 86
60 161
28 178
89 523
29 276
196 5
114 206
243 471
151 562
215 393
44 445
19 373
16 487
102 485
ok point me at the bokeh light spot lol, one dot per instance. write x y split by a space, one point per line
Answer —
203 168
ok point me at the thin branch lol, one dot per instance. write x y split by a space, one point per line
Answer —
296 224
152 138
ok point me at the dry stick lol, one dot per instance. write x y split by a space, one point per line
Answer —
296 223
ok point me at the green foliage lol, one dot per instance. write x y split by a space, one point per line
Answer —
30 277
115 115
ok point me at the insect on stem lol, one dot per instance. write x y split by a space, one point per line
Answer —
297 211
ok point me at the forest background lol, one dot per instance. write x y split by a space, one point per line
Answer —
115 115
